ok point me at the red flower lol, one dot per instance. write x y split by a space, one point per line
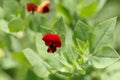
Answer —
44 7
52 41
31 7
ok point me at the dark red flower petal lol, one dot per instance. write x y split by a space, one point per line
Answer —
52 38
52 41
51 48
31 7
44 7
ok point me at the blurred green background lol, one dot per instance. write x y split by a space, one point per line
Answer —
13 64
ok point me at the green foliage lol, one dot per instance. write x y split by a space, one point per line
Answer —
80 56
89 50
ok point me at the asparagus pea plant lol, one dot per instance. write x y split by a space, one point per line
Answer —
64 47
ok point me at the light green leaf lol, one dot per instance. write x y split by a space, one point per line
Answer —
103 34
113 72
104 57
82 31
16 25
4 26
37 64
8 63
87 8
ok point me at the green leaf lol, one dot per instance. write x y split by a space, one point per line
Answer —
81 31
104 57
37 64
4 76
4 26
60 27
62 11
113 68
114 71
103 34
16 25
8 63
87 8
19 57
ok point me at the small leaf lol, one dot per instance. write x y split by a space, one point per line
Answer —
104 57
37 64
103 34
16 25
82 31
